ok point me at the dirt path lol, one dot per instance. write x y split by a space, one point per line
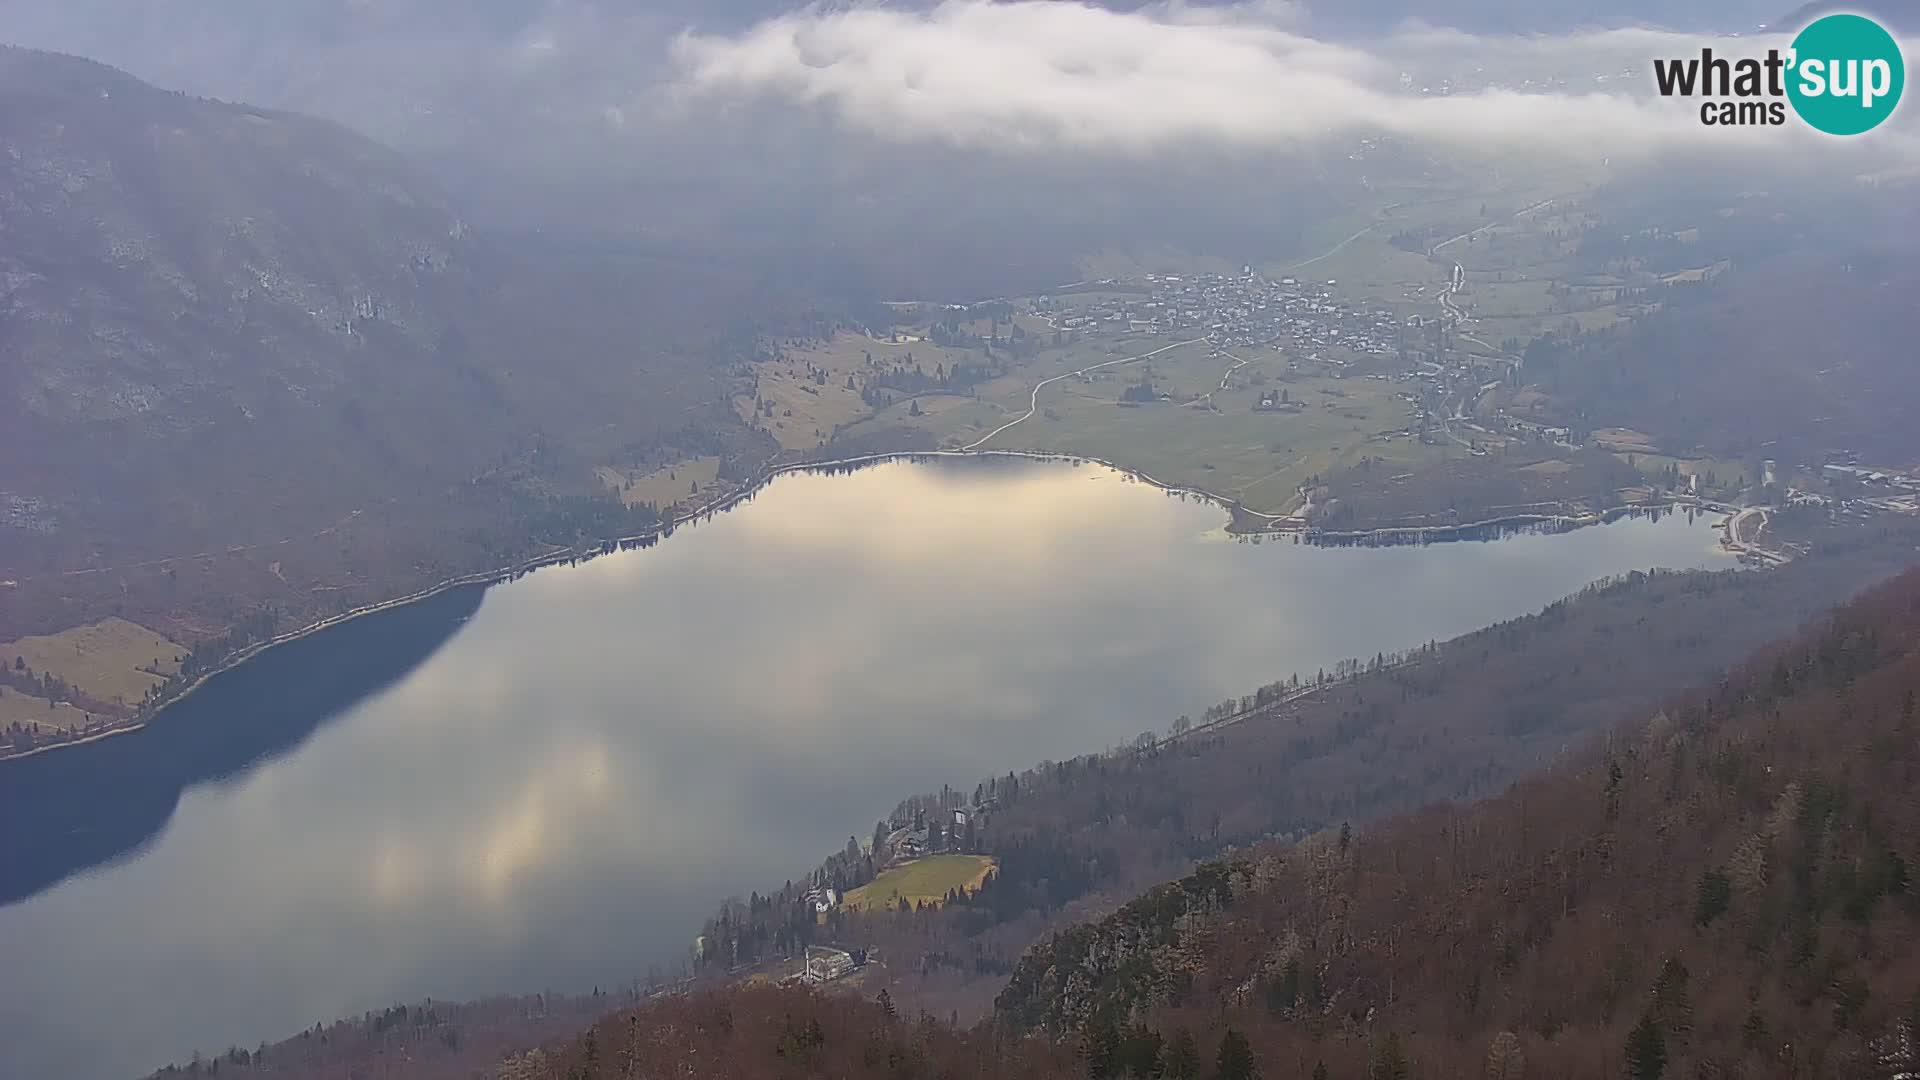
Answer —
1033 404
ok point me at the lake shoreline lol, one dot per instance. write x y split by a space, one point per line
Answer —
766 475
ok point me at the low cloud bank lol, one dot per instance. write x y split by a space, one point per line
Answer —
1045 75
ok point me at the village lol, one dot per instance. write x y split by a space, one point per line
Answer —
1318 330
1456 389
1247 310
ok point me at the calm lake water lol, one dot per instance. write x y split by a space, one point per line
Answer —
548 784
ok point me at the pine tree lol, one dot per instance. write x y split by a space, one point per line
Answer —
1716 891
1646 1050
1389 1060
1098 1045
1235 1060
1284 992
1672 1005
1138 1053
1180 1058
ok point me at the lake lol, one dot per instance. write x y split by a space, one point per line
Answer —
548 783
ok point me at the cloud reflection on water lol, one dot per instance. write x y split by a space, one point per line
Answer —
560 793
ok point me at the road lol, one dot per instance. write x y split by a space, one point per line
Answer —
1459 279
1291 697
1523 212
1750 549
1207 398
1498 353
1455 282
1334 250
1453 316
1033 403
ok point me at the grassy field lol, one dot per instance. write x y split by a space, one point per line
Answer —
1369 268
1722 470
1524 277
923 880
1206 437
24 709
806 410
111 660
661 487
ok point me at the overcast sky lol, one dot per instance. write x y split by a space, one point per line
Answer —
1036 74
1066 76
1071 76
759 116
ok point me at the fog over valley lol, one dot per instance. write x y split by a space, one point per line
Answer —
1025 127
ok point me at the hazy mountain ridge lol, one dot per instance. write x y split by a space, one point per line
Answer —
1724 888
190 246
227 327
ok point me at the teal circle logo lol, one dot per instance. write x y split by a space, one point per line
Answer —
1846 74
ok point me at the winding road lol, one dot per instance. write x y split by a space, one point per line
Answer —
1383 211
1750 549
1458 280
1335 249
1207 398
1523 212
1033 403
1454 317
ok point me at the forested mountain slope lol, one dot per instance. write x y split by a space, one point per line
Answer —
1738 366
1722 888
226 331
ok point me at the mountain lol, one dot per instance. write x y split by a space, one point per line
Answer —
229 330
1722 888
1738 367
184 279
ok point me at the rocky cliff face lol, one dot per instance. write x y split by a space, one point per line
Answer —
164 253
